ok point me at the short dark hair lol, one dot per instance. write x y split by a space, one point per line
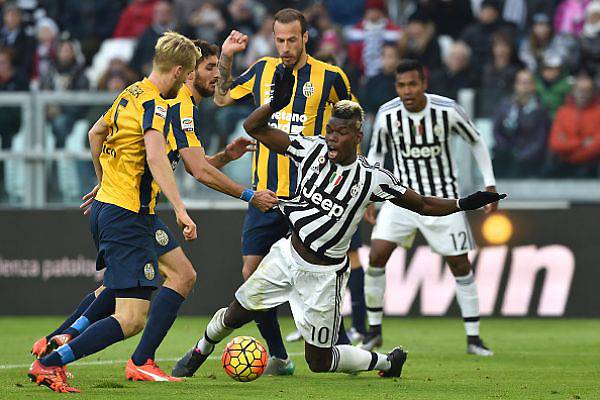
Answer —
207 49
407 65
288 15
348 109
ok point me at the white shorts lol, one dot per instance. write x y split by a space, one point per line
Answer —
315 292
449 235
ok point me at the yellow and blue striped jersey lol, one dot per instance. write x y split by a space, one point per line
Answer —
182 125
126 180
318 86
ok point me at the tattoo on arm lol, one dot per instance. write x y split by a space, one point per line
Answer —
225 81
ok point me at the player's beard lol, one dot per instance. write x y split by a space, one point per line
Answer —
297 60
203 90
172 93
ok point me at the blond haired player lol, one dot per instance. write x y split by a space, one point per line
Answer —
130 159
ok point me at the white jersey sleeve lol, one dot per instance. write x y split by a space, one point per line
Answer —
386 186
465 128
300 146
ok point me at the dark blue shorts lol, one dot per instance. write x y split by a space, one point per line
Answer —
356 240
261 231
129 245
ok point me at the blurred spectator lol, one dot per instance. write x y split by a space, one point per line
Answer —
10 117
118 69
162 21
13 36
90 22
521 12
569 16
381 87
134 20
45 52
65 73
520 130
575 135
183 9
590 41
450 17
542 40
319 25
456 73
243 16
479 34
207 22
552 83
275 5
419 42
345 12
498 76
366 38
261 44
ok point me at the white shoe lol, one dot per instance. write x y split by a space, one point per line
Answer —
294 336
354 335
479 349
280 367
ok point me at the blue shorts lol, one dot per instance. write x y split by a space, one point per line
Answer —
129 245
262 230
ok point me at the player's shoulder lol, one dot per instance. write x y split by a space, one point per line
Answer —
325 65
390 105
377 169
267 60
441 101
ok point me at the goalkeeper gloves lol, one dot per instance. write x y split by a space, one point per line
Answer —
477 200
283 86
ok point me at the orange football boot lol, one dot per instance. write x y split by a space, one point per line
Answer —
40 348
147 372
52 377
58 340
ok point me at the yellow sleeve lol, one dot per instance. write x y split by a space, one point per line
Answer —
154 114
243 85
184 120
108 114
341 87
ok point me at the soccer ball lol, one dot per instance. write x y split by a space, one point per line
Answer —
244 359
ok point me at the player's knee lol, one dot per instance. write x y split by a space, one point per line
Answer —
318 361
248 269
131 324
377 259
459 267
237 316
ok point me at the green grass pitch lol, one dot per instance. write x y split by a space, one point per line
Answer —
535 359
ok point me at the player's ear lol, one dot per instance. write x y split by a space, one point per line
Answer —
305 37
358 136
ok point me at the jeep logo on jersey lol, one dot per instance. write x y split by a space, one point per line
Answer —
308 89
333 210
421 151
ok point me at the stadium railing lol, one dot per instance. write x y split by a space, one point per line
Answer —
39 175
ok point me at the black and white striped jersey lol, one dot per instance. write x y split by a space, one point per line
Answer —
330 199
420 144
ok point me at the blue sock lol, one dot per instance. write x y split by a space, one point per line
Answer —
162 315
87 300
95 338
268 325
342 336
102 307
357 294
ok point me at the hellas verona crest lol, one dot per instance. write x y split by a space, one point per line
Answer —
308 89
161 237
149 271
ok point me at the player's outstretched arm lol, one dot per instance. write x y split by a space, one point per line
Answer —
257 124
436 206
160 167
235 43
201 169
232 152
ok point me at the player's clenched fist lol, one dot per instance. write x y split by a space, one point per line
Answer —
188 226
264 200
236 42
479 199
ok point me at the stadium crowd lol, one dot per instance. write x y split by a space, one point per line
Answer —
533 64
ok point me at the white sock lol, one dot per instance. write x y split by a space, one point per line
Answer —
214 333
374 291
348 358
468 300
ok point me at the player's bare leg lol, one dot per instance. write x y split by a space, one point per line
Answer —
468 300
180 279
350 359
380 253
223 322
279 361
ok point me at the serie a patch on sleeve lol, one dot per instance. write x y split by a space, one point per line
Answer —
160 111
187 124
